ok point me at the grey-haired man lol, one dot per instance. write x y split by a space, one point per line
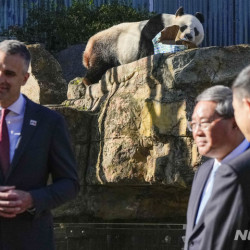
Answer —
218 137
228 212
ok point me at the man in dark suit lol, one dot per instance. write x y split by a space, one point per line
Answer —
218 137
227 221
34 143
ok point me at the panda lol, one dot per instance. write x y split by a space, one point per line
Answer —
128 42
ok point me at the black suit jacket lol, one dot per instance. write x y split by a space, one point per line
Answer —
227 210
43 148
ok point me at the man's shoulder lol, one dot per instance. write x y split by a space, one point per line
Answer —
41 110
241 163
237 170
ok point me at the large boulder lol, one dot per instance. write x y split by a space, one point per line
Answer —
46 84
70 60
136 157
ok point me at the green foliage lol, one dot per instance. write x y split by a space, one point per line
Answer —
58 27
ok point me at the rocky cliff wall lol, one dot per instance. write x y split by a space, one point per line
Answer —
136 158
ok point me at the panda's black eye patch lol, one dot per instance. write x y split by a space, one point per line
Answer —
196 32
182 28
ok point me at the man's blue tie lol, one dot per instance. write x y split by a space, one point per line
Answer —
206 193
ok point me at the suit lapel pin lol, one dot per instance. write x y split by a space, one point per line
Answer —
33 122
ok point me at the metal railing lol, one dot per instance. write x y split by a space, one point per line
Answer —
119 236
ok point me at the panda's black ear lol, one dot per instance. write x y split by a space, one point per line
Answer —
200 17
179 12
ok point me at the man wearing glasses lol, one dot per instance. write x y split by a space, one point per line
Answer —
218 137
227 221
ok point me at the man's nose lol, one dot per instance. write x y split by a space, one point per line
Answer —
197 130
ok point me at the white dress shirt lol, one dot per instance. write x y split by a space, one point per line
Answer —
14 121
209 185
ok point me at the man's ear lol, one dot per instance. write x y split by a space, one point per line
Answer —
246 102
235 126
25 78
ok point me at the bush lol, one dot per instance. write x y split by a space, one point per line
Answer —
58 27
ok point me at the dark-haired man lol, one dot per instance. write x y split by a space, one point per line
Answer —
34 143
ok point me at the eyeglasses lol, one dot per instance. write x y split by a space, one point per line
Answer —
193 126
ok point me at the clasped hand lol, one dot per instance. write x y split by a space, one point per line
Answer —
13 201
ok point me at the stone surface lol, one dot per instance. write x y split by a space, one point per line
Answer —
76 89
135 156
70 60
45 84
143 121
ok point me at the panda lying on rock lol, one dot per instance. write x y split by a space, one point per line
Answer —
128 42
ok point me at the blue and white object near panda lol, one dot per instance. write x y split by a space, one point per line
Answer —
128 42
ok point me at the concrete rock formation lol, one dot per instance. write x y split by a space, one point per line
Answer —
45 84
136 158
70 60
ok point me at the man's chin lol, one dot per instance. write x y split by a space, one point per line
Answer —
203 150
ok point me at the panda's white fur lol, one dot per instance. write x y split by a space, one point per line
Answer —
127 42
120 41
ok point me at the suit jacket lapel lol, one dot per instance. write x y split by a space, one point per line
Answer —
30 123
197 188
201 181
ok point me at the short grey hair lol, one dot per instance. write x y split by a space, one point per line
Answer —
15 47
242 83
223 96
